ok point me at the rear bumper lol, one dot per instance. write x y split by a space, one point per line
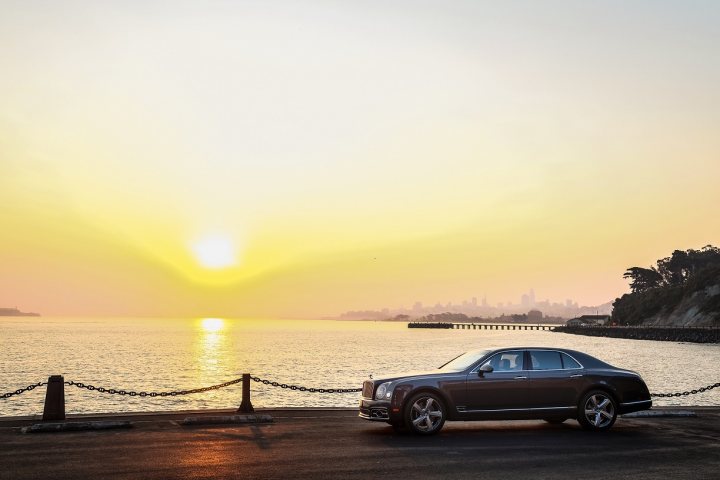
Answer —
629 407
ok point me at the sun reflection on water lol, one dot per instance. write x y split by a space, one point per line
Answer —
211 350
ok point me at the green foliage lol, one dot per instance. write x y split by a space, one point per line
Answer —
642 279
635 308
661 289
682 265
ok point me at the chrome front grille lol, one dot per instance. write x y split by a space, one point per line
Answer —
367 391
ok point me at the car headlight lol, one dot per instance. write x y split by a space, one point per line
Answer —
384 392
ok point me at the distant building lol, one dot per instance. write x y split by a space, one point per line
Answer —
534 316
588 320
525 300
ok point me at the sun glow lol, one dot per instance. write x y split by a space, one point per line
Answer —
212 325
215 252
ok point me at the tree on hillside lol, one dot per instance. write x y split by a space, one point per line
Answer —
676 268
680 266
642 279
673 270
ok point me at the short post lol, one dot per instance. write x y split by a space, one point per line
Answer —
54 399
245 405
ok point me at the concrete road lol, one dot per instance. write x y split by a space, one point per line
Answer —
336 444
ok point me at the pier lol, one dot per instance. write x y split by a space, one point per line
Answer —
481 326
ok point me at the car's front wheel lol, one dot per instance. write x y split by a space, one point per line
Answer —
425 413
597 410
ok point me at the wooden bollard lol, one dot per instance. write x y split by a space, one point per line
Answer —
55 399
246 405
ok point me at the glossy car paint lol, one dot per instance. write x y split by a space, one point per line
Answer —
520 394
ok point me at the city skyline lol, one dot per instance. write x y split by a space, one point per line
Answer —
472 307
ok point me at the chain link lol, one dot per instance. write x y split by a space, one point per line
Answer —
131 393
685 394
306 389
22 390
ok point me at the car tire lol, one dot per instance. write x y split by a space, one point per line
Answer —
555 421
597 410
425 413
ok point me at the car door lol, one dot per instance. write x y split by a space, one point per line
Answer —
500 392
552 386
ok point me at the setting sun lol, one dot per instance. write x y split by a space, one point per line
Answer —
215 252
212 324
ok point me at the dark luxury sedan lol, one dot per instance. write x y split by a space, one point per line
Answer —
553 384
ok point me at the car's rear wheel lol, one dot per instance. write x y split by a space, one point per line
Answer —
597 410
425 413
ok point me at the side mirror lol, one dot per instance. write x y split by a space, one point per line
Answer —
487 368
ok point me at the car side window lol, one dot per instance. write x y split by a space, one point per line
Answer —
569 362
545 360
507 361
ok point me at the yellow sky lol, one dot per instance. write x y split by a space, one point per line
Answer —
306 158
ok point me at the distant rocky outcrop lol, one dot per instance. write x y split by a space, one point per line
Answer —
682 290
14 312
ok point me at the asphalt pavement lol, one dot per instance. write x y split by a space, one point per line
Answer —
311 444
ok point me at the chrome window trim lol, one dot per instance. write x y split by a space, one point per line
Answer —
582 367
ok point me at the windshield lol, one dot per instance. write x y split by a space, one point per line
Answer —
460 363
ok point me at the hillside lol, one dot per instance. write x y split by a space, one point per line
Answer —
683 290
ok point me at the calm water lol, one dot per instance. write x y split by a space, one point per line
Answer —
171 354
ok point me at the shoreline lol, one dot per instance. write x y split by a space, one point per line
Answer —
663 334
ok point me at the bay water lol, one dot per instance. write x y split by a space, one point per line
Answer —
150 354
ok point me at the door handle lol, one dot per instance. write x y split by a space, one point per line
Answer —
576 375
520 378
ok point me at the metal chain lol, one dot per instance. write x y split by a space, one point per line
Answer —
306 389
22 390
113 391
685 394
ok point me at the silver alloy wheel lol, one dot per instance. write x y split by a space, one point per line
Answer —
599 410
426 414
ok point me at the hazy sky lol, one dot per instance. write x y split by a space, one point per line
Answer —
305 158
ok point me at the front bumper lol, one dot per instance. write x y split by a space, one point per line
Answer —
375 410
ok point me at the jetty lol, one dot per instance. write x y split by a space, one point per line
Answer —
481 326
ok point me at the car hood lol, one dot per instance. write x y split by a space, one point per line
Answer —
410 375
